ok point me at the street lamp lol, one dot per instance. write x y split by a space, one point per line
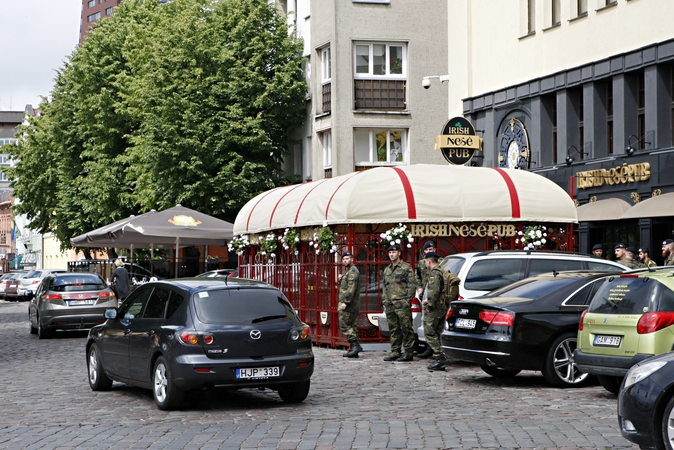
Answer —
569 159
426 81
630 150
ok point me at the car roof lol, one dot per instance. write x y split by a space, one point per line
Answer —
201 284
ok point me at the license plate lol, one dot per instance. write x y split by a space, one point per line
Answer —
465 323
607 341
258 372
80 302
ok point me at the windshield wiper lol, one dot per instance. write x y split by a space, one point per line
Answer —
265 318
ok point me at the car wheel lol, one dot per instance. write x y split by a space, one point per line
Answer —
98 380
560 369
667 427
166 394
500 372
33 330
610 383
42 332
294 392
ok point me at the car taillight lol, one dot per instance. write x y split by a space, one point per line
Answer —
35 281
498 318
305 333
582 317
654 321
416 305
106 294
449 314
231 274
52 297
189 338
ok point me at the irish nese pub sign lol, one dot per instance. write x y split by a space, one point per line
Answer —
458 141
471 229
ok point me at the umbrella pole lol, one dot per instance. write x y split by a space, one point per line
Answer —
205 258
177 248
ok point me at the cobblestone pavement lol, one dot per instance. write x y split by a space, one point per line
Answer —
358 403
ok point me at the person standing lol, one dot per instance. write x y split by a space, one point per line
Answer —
120 281
623 258
349 304
632 255
399 288
645 257
668 252
422 273
435 310
598 250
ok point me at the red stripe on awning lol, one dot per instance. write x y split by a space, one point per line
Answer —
409 194
318 183
514 198
255 206
271 216
327 207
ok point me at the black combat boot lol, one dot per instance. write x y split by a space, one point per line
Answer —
354 350
405 357
346 355
392 357
426 353
438 364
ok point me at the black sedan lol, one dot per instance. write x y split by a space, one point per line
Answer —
529 325
179 335
646 403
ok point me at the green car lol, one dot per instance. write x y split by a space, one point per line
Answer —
630 318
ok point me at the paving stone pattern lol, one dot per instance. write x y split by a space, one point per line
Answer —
46 403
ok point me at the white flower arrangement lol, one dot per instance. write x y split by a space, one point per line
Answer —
324 240
290 240
397 235
268 246
238 244
532 237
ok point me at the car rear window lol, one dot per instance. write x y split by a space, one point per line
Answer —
242 306
79 282
493 273
632 296
34 274
533 288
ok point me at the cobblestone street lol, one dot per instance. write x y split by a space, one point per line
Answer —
362 403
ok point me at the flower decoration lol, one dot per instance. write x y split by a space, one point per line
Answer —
238 244
324 240
212 257
290 240
268 246
397 235
532 237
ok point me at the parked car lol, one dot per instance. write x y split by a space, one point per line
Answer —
631 318
4 279
528 325
12 287
32 279
184 334
68 301
483 272
646 403
219 273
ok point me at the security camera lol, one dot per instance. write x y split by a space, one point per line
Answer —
426 83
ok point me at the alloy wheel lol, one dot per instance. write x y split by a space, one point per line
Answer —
160 382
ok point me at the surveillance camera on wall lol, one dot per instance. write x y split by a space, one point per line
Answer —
426 83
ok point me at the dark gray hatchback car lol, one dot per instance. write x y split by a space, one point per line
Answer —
194 333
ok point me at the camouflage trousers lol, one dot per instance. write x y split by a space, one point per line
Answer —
347 324
434 325
400 325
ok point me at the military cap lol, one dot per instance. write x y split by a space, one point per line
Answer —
347 253
643 250
631 249
429 244
667 242
393 247
596 247
431 255
621 245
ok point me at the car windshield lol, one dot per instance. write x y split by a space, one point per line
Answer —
493 273
632 296
79 282
532 288
242 306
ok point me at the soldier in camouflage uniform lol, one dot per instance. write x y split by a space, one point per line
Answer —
399 288
623 256
349 304
668 252
645 257
422 273
435 311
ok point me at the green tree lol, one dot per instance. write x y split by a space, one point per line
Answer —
188 102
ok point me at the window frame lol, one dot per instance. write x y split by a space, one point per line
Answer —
372 146
326 65
370 74
326 140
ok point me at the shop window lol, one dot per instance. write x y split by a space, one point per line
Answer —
380 76
380 146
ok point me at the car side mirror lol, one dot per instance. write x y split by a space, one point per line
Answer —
29 294
110 313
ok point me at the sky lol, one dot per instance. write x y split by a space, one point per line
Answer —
36 37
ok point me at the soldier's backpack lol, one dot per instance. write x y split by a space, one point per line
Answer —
450 287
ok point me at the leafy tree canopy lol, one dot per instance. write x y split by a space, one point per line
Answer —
186 102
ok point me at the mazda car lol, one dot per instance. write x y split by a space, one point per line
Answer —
198 333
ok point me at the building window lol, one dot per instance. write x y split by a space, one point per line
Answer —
531 16
379 146
91 3
6 141
556 13
581 7
326 80
327 150
94 17
380 72
553 116
108 11
609 118
641 111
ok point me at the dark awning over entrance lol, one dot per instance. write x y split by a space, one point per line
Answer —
658 206
608 209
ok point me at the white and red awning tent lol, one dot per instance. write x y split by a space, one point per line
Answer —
421 193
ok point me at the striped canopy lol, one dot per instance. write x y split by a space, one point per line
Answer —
410 194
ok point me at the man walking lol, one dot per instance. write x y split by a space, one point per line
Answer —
399 288
435 310
349 304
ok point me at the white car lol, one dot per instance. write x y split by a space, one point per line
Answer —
33 279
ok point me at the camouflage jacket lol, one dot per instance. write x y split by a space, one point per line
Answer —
399 283
421 274
349 289
632 264
434 288
669 261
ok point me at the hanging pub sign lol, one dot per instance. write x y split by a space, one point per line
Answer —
458 142
513 148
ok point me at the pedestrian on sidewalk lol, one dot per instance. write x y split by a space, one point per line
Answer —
120 281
